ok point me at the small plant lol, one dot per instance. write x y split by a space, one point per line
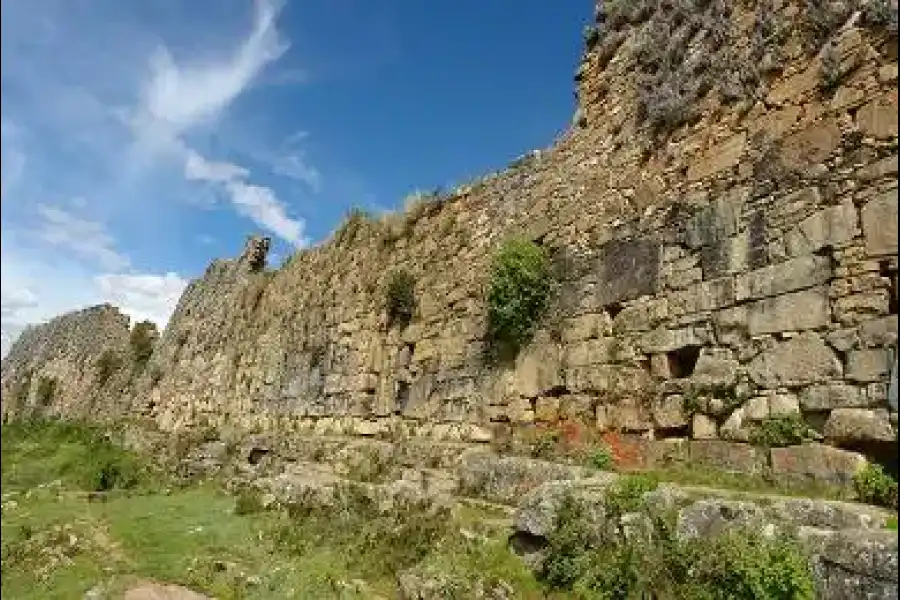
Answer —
601 458
46 390
400 298
545 445
627 493
874 486
142 339
353 223
830 73
248 501
590 35
520 287
156 375
776 432
107 365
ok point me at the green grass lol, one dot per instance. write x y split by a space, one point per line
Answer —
59 541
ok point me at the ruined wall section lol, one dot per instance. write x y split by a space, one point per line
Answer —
53 368
728 259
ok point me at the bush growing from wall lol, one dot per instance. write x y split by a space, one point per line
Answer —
400 298
142 340
108 363
520 287
875 486
46 390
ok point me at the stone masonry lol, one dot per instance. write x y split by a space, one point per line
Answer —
727 259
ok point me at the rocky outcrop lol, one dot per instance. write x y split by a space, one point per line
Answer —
851 554
726 229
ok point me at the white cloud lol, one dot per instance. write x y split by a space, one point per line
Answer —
256 202
197 168
35 290
297 167
88 239
179 97
108 110
261 205
143 296
182 96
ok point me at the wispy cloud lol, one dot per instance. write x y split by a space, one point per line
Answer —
181 96
88 239
144 296
178 97
110 124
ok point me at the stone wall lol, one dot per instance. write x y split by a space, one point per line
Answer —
54 367
727 227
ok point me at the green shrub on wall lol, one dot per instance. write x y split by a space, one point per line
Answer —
143 338
520 287
400 298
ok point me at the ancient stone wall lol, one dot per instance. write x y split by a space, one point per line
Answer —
54 367
725 209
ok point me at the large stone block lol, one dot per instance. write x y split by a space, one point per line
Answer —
811 146
852 425
878 118
796 311
828 396
727 456
879 332
868 365
792 275
668 412
834 226
718 158
802 360
715 367
816 462
628 269
879 219
592 352
665 340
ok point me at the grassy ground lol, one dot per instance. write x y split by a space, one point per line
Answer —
59 540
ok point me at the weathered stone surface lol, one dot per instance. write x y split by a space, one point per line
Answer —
802 360
709 518
160 591
868 365
783 405
668 412
811 145
723 156
879 332
816 462
715 368
879 220
483 474
855 564
727 456
849 425
828 396
628 269
878 118
834 226
797 311
795 274
703 427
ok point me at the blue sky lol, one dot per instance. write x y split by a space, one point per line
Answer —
140 140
